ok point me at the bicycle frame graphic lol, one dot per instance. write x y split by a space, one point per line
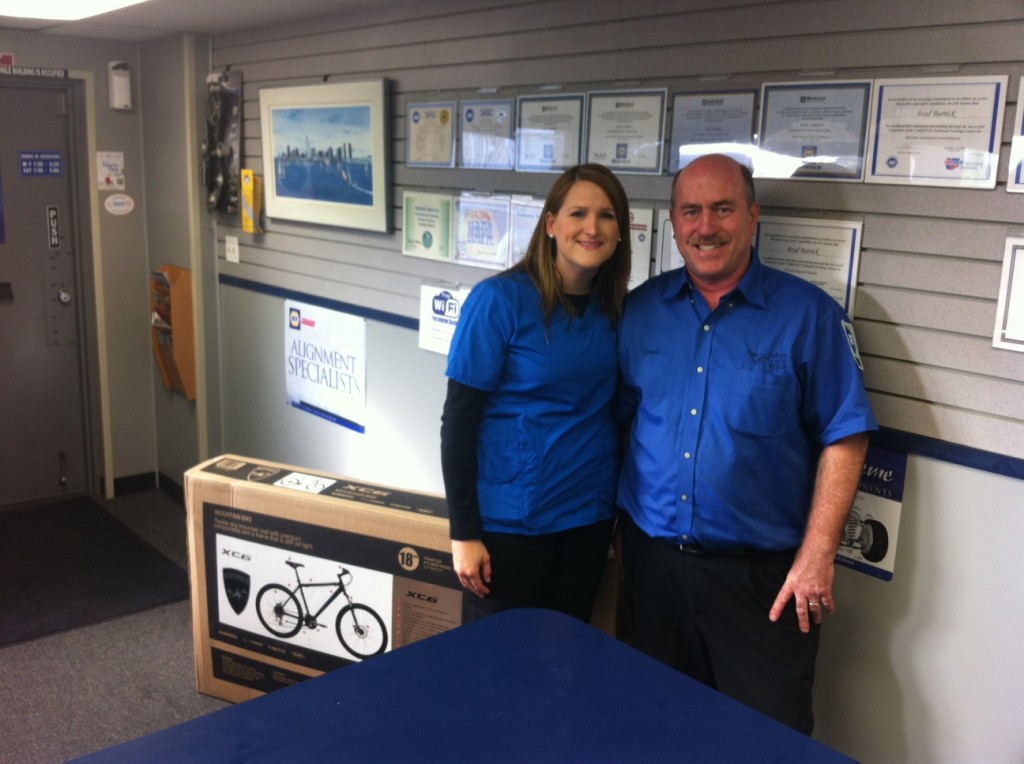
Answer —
281 611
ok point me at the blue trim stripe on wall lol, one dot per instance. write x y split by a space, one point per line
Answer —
895 440
987 461
322 302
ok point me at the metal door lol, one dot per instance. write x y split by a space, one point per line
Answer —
43 445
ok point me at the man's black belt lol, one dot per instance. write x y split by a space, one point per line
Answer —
734 552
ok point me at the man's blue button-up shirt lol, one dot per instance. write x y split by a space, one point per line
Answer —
731 408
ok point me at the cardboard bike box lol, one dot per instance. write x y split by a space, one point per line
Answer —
296 572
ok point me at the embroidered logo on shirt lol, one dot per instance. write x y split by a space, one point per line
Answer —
770 362
852 339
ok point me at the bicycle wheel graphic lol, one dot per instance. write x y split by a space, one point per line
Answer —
279 610
362 631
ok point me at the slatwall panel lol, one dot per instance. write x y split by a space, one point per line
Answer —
931 257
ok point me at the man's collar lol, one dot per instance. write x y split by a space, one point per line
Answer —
751 286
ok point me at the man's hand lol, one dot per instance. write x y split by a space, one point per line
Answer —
472 564
809 585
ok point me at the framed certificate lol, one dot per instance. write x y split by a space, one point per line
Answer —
940 131
482 231
1009 327
813 130
667 257
549 132
824 252
641 228
626 130
488 135
427 225
709 122
431 139
525 213
1015 176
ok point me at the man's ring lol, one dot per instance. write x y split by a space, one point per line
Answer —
813 605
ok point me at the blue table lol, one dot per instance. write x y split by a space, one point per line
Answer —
521 686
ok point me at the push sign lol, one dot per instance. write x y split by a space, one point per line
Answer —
53 227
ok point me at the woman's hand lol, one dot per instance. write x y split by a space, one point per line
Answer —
472 564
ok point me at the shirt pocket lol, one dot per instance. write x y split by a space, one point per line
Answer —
761 405
505 456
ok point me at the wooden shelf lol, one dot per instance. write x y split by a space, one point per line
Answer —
170 306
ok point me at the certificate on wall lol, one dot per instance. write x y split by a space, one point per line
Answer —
488 134
482 231
668 258
824 252
704 120
813 130
431 139
525 213
549 133
427 225
440 308
626 130
1009 330
641 230
325 363
1015 176
941 131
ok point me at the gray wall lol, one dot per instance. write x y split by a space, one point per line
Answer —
180 231
165 129
911 669
931 256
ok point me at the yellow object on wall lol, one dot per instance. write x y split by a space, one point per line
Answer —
251 208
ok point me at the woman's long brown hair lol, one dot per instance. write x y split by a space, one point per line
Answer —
612 278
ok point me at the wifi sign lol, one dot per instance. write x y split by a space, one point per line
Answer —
444 304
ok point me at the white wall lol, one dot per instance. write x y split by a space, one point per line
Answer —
929 667
405 388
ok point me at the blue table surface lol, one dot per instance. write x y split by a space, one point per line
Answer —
520 686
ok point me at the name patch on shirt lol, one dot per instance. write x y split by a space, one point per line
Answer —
852 339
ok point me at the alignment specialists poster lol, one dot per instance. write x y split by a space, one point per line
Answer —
325 363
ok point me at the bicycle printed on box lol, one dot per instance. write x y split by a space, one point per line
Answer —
284 611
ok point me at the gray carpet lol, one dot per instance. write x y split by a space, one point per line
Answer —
86 689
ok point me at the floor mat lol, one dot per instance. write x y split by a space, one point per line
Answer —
72 563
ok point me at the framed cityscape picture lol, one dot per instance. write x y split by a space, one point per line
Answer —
325 154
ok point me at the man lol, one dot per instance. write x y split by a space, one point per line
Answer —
748 431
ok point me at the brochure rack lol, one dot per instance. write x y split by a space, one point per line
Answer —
170 305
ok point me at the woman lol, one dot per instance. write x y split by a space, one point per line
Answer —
529 451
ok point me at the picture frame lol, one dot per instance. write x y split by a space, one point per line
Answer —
813 130
488 134
626 130
430 129
1015 173
325 154
549 132
711 122
937 131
